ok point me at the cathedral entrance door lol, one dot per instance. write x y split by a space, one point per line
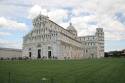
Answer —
30 54
39 53
49 54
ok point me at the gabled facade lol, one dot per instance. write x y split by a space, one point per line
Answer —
48 40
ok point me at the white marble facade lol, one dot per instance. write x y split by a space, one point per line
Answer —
49 40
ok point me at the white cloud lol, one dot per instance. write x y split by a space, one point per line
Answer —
10 44
12 25
58 15
114 30
5 34
64 24
55 3
13 9
114 36
82 26
35 10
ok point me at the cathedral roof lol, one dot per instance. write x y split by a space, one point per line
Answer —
41 16
71 28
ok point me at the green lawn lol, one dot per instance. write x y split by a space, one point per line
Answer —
74 71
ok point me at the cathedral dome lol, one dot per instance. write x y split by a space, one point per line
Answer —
72 29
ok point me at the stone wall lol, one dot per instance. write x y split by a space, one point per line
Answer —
10 53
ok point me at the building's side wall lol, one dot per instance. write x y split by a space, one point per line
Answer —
10 53
93 45
69 51
89 46
70 48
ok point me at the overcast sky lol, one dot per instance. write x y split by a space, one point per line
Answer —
86 15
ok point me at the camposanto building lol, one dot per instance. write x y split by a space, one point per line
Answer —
51 41
8 53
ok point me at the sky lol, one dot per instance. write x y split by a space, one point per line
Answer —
86 15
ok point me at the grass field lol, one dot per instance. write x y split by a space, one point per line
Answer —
79 71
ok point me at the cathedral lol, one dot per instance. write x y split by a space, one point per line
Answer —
48 40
